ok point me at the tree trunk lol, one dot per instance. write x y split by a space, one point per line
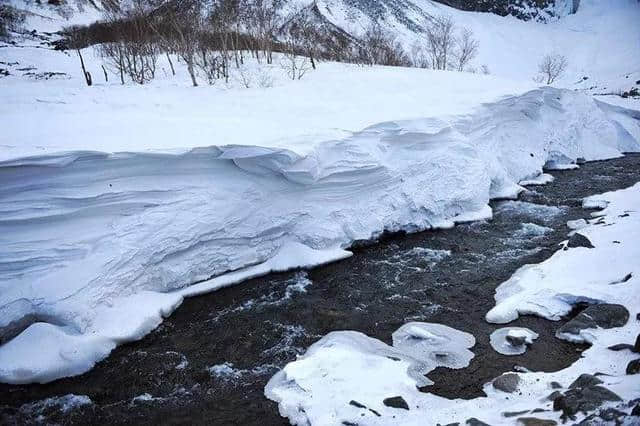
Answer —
85 73
121 65
173 71
192 72
106 77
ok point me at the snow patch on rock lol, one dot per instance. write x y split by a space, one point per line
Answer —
512 340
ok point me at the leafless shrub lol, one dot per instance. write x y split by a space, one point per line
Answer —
113 55
485 69
295 65
264 79
244 77
466 49
551 68
213 65
133 49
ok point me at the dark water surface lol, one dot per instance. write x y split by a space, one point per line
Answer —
208 363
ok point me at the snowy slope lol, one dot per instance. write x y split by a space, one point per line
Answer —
601 41
46 17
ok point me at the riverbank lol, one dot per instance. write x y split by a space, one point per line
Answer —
209 361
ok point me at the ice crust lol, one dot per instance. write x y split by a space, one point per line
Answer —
435 343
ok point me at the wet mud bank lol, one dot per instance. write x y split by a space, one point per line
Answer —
209 362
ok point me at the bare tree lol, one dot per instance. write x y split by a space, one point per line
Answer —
551 68
85 73
131 48
303 30
441 41
381 48
180 30
264 20
113 54
466 49
419 57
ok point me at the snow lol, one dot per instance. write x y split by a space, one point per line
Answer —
116 202
600 41
550 291
577 224
531 230
318 388
168 116
337 365
541 179
103 246
501 344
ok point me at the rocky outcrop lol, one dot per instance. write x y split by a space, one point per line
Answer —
540 10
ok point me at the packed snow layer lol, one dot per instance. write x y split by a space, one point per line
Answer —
96 248
345 377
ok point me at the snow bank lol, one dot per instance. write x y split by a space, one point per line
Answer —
549 291
96 248
349 378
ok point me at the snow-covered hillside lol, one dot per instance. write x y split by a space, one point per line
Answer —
601 40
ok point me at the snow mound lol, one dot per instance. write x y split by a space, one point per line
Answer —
541 179
512 340
96 249
347 370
